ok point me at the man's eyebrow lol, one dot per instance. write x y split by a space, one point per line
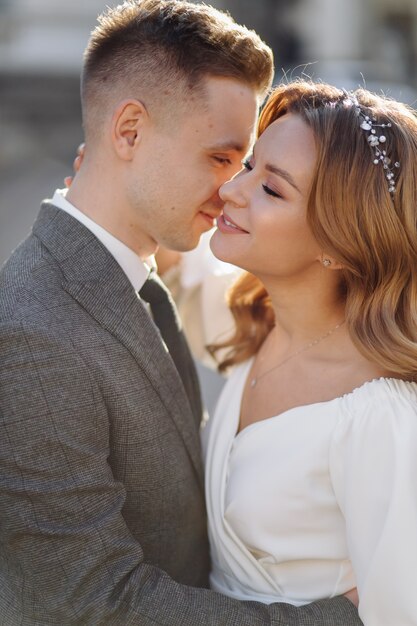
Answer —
227 146
283 173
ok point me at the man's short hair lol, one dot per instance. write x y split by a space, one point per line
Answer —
155 50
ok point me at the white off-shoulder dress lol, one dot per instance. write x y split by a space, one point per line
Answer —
317 500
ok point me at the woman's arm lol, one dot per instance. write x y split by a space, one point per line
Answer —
374 472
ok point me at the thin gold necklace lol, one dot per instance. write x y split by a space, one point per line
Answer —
254 381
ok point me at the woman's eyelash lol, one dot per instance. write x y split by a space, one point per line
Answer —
270 192
267 189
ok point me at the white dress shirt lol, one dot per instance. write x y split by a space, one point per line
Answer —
133 266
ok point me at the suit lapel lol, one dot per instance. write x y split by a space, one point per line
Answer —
95 280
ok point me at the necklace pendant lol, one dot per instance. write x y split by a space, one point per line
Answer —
253 382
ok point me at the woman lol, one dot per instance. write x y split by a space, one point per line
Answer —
311 457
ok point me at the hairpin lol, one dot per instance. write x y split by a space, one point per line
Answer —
369 124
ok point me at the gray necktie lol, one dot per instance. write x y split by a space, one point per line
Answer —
166 317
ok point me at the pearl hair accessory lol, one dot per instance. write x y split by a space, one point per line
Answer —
369 125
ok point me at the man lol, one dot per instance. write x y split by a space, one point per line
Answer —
102 505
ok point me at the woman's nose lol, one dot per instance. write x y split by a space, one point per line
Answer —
232 192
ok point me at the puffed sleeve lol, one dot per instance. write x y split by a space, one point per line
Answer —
373 467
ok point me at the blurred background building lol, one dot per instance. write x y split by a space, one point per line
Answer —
347 42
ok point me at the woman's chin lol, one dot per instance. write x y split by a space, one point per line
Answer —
219 247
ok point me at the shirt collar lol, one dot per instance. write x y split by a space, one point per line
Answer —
133 266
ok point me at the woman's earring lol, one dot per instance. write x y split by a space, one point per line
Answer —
326 262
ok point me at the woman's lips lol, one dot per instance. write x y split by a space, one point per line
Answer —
227 225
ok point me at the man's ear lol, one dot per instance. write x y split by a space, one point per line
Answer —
128 122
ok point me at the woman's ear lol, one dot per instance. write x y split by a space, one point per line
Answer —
329 262
128 122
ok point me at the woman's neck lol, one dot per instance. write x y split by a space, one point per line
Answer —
307 310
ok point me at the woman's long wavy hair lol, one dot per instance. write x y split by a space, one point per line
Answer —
356 220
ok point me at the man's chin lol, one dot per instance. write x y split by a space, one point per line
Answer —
182 245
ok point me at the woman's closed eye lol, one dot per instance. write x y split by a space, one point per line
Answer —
247 165
271 192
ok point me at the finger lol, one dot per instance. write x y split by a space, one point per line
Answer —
353 596
77 163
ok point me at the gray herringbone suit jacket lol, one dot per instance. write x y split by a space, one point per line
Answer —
102 517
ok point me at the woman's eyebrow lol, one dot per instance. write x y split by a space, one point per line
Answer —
283 173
